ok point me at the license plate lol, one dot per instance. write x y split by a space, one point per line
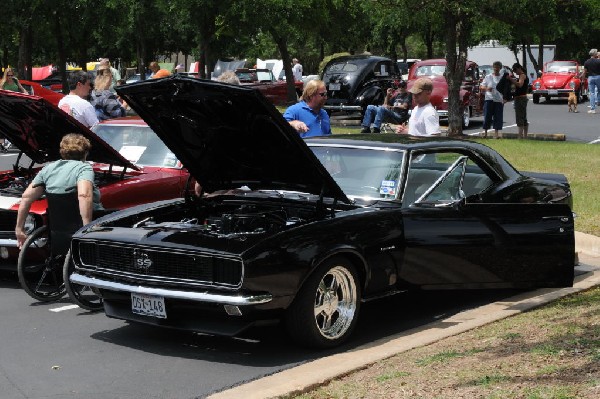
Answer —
148 305
553 92
334 86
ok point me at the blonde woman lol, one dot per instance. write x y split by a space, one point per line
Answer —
9 82
105 102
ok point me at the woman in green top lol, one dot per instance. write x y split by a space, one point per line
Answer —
9 82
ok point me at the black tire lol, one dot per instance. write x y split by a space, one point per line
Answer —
82 295
41 280
536 98
335 287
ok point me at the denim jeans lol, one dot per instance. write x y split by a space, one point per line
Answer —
493 111
593 84
377 114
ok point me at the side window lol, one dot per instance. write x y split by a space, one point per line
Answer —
443 176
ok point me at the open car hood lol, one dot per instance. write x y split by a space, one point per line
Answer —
36 127
229 136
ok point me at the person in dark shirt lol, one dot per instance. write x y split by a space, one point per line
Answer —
520 98
592 71
395 109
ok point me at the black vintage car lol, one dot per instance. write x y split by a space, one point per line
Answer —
306 231
356 81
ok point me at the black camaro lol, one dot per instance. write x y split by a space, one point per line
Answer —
305 231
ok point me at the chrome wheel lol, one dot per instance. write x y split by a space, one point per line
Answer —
335 303
325 310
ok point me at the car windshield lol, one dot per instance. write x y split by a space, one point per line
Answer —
342 67
369 173
561 67
430 70
138 144
263 76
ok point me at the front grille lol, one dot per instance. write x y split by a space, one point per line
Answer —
146 263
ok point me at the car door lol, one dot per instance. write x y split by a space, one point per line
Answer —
453 239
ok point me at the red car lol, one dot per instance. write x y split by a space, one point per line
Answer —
558 79
263 80
470 96
37 89
132 165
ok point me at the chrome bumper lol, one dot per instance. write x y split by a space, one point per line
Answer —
546 92
342 107
223 299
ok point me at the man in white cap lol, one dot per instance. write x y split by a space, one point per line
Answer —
424 120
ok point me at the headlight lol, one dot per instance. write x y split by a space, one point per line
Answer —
29 224
445 100
572 85
537 85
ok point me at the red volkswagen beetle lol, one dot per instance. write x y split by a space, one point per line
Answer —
469 92
558 79
132 165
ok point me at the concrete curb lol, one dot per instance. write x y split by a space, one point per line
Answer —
310 375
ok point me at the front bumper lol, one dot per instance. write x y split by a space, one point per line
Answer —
208 313
222 299
342 107
553 92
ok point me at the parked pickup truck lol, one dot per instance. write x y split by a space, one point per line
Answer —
263 80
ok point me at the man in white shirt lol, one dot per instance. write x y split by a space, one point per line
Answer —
424 120
75 103
297 70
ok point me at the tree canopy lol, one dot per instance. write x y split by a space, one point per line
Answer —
135 32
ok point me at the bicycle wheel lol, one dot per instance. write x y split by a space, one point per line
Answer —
41 279
82 295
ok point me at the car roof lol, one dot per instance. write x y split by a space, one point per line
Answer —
494 160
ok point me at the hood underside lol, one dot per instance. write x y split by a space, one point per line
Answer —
228 136
36 127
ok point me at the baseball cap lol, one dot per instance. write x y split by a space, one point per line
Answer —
420 85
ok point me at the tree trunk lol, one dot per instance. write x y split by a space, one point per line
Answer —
287 67
457 34
542 36
62 55
25 47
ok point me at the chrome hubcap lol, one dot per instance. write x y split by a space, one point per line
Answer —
335 303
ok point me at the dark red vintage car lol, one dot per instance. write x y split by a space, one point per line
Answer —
469 92
558 79
264 81
132 165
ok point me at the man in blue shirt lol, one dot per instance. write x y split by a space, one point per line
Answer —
308 116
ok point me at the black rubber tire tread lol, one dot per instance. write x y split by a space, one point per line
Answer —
80 295
299 318
25 278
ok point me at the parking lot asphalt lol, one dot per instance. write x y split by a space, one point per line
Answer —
318 372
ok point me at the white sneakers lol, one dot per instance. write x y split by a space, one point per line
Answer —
592 111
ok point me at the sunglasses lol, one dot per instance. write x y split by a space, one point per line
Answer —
324 94
10 74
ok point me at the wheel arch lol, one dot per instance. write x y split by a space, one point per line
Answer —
351 254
